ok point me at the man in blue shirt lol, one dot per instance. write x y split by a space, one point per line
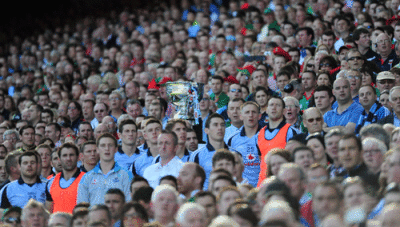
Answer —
245 142
107 174
127 152
28 186
151 132
373 110
215 130
347 113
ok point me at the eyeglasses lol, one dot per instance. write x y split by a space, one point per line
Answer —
236 90
386 81
291 106
355 58
326 65
311 120
114 99
99 111
376 151
353 77
12 220
384 41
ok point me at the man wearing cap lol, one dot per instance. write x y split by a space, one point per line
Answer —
388 57
385 81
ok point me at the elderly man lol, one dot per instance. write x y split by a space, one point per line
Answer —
313 122
34 214
387 57
373 153
191 214
164 202
394 99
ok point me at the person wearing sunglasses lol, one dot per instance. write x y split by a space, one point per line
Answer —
354 59
313 122
100 111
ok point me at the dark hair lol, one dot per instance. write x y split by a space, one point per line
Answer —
301 148
223 177
243 210
170 178
223 154
21 130
126 122
354 137
28 154
309 31
140 210
324 88
116 191
143 194
68 146
317 136
106 135
213 115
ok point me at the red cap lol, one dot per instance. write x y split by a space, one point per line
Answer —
153 85
281 52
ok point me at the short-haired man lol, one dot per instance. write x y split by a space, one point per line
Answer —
192 142
28 186
323 98
394 99
191 214
309 81
99 214
245 142
85 129
107 174
209 202
152 130
218 96
332 148
44 151
53 132
350 156
373 154
63 188
89 156
295 178
304 157
127 152
114 199
348 111
226 197
100 111
164 202
60 219
275 134
313 122
178 126
11 167
169 164
361 37
27 135
34 214
215 130
373 110
234 118
327 199
190 179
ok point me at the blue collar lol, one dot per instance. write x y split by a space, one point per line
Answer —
210 148
115 168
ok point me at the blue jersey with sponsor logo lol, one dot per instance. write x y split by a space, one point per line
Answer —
250 152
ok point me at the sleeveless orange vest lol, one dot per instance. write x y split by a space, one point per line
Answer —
279 141
64 199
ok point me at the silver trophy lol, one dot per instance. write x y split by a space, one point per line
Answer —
185 96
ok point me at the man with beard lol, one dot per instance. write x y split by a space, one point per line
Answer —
62 190
28 186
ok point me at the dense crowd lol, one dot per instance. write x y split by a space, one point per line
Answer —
297 122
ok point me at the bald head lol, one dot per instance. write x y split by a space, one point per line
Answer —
342 91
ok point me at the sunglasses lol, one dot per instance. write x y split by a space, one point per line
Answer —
355 58
12 220
99 111
310 65
326 65
311 120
